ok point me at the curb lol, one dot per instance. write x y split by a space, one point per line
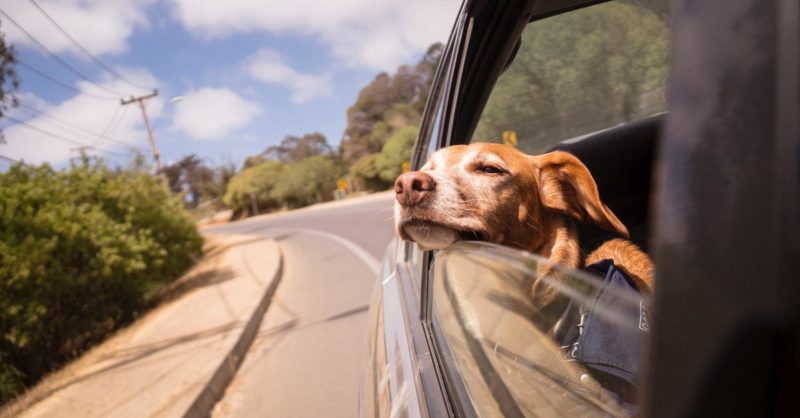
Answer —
214 390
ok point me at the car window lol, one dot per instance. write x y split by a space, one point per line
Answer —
581 72
512 359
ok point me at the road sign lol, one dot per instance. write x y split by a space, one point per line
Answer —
510 138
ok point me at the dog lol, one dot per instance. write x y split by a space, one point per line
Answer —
495 193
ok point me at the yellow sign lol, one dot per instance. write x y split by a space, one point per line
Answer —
341 184
510 138
406 166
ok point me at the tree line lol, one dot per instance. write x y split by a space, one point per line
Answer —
305 169
82 250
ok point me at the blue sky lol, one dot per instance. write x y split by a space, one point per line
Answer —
233 76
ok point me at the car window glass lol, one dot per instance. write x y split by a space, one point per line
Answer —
414 255
581 72
427 142
428 139
516 360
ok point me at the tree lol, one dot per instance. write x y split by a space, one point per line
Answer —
200 182
364 175
252 190
8 77
223 175
396 151
387 104
373 100
610 58
296 148
309 181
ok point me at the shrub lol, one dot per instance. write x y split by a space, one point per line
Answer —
255 182
364 172
396 151
80 252
308 181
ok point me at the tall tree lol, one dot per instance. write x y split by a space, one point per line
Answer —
190 175
296 148
8 77
388 104
580 72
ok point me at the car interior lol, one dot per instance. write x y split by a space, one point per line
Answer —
473 311
621 161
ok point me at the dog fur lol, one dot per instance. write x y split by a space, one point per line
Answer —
495 193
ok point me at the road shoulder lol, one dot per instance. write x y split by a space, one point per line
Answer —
167 360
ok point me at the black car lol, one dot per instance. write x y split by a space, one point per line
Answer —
686 113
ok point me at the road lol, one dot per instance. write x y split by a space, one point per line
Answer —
308 354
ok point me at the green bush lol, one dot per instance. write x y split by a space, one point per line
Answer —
255 182
396 151
80 252
366 175
308 181
274 184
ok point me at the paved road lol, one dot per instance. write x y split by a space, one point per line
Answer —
307 357
367 222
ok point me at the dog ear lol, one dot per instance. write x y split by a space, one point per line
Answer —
565 185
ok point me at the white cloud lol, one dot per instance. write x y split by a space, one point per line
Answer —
212 114
100 26
378 34
53 132
270 67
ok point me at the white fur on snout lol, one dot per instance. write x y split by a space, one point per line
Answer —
431 237
452 208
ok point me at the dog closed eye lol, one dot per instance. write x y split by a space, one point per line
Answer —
489 169
533 207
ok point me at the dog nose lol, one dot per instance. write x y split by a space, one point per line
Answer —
412 187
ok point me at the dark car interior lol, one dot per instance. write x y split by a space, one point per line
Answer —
719 227
621 160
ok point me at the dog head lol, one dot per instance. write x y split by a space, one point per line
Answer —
494 193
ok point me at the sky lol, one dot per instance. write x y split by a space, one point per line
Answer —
233 77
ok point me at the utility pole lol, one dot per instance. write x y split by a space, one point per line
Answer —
140 100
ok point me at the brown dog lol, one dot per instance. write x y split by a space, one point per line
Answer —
494 193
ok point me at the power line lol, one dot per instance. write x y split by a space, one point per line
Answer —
60 137
84 50
140 100
111 121
56 57
3 157
74 126
61 83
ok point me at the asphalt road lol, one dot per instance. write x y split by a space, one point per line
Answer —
366 222
307 357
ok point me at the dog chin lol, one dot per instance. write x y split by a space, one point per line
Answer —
431 236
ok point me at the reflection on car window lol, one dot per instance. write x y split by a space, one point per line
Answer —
581 72
515 361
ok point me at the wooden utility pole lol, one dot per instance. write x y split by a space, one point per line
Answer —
140 100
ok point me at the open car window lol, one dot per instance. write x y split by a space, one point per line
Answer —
581 72
574 74
508 358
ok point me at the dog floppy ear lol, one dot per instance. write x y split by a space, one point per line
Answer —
565 185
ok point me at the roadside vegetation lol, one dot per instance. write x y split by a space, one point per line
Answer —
381 129
85 249
82 251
